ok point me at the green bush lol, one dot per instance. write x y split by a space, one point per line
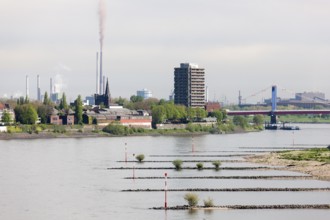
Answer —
208 202
140 157
192 199
199 166
115 129
177 164
216 164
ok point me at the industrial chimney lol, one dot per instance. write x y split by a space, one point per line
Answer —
38 88
51 88
27 86
101 74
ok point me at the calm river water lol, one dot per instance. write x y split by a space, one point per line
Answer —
68 178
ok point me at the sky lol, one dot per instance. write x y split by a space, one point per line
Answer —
244 45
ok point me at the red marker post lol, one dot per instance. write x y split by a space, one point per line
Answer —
165 191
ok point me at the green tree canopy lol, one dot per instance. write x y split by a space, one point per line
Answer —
46 99
217 114
258 119
158 114
63 103
44 111
135 98
79 110
6 118
240 121
26 114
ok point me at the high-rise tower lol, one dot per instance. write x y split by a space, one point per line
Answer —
189 85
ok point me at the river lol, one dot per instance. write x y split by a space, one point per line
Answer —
69 178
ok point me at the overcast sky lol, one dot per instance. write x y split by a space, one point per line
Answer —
245 45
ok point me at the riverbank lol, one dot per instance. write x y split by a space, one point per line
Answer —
88 132
319 170
77 134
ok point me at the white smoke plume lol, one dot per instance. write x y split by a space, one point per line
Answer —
102 17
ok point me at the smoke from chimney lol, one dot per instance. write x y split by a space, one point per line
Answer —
97 74
102 17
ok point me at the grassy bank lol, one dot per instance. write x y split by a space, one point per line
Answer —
317 154
315 162
304 119
115 129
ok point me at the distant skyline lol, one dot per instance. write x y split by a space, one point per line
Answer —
243 45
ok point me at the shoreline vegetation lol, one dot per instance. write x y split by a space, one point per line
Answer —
43 131
314 162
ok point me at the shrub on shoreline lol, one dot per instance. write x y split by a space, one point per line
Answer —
177 164
192 199
140 157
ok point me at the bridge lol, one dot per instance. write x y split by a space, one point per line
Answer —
274 112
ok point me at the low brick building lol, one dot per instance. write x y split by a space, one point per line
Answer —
127 117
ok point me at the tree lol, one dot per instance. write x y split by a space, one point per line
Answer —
63 102
200 113
26 114
258 119
135 98
191 113
46 99
6 118
27 100
44 111
240 121
79 110
120 101
217 114
158 114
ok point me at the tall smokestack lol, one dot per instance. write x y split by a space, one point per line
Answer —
101 74
38 88
51 88
103 85
27 86
97 74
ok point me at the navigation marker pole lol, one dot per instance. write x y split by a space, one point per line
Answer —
292 138
125 153
165 191
133 169
193 144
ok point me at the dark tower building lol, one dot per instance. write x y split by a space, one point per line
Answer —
104 99
189 85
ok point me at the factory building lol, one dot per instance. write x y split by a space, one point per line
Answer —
126 117
189 85
104 99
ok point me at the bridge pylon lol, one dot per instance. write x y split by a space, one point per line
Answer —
274 105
